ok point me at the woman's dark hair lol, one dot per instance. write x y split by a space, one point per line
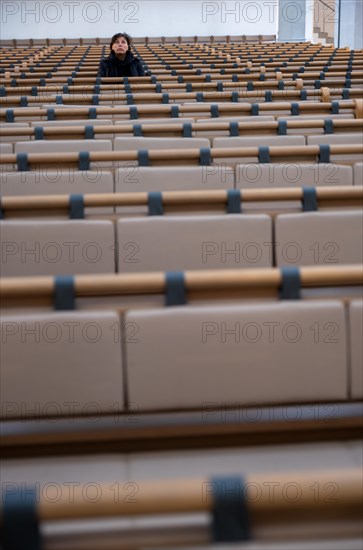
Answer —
118 35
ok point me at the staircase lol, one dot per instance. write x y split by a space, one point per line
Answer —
324 21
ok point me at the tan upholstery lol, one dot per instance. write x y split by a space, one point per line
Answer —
152 143
162 121
163 243
319 238
254 141
356 348
358 173
24 117
214 133
12 139
181 357
173 178
63 146
199 463
216 120
332 139
79 122
63 181
170 178
339 139
189 463
315 117
61 356
215 361
6 148
39 247
292 174
137 143
73 106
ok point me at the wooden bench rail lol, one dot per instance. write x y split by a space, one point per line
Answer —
205 280
242 109
158 69
175 156
77 88
200 199
199 84
164 78
347 125
245 58
213 96
196 495
154 65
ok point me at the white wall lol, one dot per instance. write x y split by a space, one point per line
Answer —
309 20
351 23
103 18
292 17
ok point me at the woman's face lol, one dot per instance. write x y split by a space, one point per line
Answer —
120 46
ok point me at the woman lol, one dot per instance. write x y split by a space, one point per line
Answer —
120 62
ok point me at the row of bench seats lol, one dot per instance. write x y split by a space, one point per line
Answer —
159 127
307 352
117 97
99 154
20 43
186 482
51 247
172 178
276 49
132 143
135 358
166 60
197 110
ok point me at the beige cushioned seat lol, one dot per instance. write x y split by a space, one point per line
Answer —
358 173
61 356
254 141
79 122
181 359
45 247
292 174
58 182
63 146
162 243
319 238
171 178
6 148
339 139
356 348
13 139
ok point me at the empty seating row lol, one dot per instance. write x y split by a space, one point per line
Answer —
159 52
193 81
259 76
196 110
207 241
259 39
283 50
98 154
124 143
188 508
163 178
179 97
264 90
299 342
185 127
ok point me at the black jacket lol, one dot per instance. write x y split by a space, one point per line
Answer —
112 66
